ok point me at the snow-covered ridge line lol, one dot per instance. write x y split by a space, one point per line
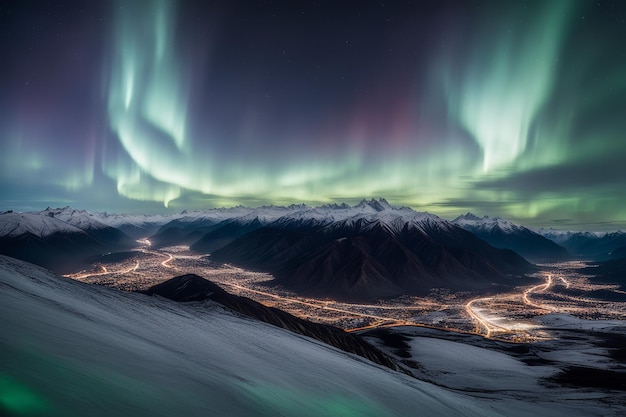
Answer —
559 235
67 219
11 224
471 221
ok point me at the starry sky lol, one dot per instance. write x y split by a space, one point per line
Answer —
514 109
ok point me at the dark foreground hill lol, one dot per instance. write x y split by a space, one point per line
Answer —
192 287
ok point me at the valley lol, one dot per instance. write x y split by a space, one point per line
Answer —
509 316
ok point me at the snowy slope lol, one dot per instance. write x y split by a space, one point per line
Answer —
525 372
69 349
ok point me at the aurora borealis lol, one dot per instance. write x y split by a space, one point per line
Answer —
515 109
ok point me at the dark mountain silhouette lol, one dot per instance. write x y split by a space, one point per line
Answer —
192 287
224 233
182 231
608 272
61 252
597 248
369 258
619 253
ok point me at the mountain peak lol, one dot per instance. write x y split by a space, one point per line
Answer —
335 206
474 223
470 216
189 287
379 205
300 206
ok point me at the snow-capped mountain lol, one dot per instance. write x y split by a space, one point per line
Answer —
503 233
200 229
90 223
372 209
82 219
562 236
588 245
369 251
60 239
37 224
212 230
60 220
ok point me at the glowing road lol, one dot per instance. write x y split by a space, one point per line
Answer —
537 288
484 321
491 324
104 271
145 242
506 316
386 321
166 262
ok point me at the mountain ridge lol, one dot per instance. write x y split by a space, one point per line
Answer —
503 233
365 257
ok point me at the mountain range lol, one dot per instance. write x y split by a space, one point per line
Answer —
502 233
389 253
368 250
589 245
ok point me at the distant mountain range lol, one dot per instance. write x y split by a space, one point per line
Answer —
588 245
505 234
371 249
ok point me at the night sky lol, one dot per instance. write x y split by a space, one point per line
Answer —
515 109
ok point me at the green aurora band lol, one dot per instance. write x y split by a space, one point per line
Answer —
517 112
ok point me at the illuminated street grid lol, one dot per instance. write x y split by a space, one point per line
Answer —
505 316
